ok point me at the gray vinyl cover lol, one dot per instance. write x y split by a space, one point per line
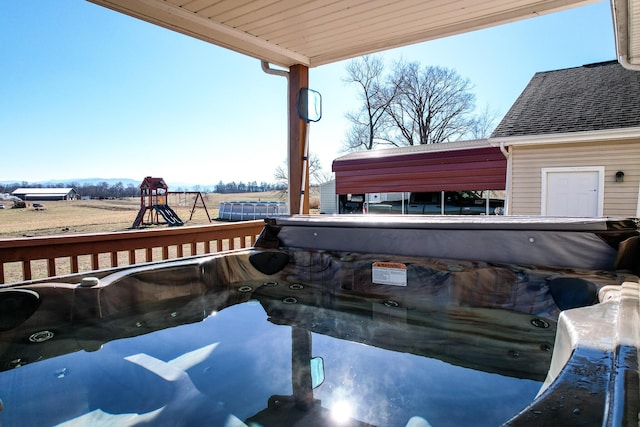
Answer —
558 242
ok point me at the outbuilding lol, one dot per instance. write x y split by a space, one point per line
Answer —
451 166
328 198
42 194
573 143
393 173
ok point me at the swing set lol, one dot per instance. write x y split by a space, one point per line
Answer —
154 204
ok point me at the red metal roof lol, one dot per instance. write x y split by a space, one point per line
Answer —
469 165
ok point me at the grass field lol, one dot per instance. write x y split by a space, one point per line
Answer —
92 216
100 216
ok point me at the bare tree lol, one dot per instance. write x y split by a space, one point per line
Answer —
369 124
434 104
413 105
316 174
483 124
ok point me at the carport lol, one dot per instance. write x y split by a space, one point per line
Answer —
468 165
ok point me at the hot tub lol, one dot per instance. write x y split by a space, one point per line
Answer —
340 321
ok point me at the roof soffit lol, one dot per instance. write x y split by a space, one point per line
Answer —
317 32
626 16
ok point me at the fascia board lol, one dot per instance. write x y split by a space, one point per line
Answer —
568 137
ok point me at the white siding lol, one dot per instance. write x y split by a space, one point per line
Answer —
620 199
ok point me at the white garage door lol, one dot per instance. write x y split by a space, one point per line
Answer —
572 191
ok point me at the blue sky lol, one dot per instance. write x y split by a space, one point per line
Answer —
86 92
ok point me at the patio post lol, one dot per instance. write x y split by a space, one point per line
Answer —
298 128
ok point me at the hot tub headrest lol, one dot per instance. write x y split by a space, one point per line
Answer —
572 292
269 262
16 306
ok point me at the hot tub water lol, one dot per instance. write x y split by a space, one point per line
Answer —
236 365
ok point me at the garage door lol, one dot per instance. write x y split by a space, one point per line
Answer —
573 192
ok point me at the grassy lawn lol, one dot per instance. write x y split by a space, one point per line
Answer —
93 216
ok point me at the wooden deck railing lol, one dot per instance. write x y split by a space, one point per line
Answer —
42 257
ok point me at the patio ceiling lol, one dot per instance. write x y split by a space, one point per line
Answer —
317 32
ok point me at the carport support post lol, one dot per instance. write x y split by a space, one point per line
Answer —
298 128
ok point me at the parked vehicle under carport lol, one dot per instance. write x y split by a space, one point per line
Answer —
430 203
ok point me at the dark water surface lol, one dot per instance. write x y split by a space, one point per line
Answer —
384 364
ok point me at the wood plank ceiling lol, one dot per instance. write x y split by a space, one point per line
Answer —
317 32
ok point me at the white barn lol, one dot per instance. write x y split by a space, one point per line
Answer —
46 194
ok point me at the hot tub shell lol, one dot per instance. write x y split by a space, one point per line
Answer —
593 377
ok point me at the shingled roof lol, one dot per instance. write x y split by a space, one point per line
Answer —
589 98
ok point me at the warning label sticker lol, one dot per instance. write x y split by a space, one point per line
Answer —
389 273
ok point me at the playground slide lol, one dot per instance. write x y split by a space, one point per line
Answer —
169 215
138 220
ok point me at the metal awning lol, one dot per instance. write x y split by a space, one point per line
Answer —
317 32
468 165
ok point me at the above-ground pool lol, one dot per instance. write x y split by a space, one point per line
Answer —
247 211
294 332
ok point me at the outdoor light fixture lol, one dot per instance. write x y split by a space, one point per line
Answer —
619 176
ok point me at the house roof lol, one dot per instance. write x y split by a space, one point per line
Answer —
592 97
464 165
44 191
317 32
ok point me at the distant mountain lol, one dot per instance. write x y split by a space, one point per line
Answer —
79 181
173 186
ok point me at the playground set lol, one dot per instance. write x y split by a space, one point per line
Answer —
154 205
